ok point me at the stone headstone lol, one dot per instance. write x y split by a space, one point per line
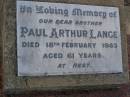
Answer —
18 70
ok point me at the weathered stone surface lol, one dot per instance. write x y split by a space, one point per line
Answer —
15 84
127 14
1 25
127 2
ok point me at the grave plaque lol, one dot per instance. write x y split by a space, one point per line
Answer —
65 39
63 44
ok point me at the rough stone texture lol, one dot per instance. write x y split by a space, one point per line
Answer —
127 2
14 84
122 92
128 46
127 14
1 25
